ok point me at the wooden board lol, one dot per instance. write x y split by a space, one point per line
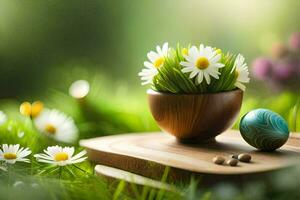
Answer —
117 174
147 154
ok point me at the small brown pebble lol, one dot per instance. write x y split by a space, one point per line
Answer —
244 157
234 156
219 160
232 162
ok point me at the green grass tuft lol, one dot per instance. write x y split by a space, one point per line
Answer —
171 79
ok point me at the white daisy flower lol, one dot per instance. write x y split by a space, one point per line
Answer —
3 118
13 153
79 89
202 62
241 70
60 156
57 125
157 60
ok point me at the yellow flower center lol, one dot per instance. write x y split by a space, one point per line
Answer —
10 156
50 129
185 51
61 156
202 63
159 62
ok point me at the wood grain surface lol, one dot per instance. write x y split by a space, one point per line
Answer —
195 117
148 154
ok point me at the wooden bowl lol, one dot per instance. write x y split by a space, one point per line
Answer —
195 117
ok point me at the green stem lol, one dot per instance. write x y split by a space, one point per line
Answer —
31 166
296 114
79 168
8 174
60 172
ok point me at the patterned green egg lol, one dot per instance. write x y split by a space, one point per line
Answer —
264 129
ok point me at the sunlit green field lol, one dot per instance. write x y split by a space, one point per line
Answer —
47 45
102 113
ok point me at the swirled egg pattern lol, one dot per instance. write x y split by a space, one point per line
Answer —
264 129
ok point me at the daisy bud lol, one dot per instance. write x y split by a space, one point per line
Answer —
219 51
185 51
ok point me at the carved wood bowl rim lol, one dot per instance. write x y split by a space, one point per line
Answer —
154 92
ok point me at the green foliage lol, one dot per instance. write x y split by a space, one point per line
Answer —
294 117
43 181
171 79
228 76
23 132
104 113
286 104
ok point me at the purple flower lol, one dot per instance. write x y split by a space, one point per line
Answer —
295 41
283 71
262 68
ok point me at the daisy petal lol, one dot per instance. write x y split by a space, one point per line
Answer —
165 49
148 64
80 154
79 160
186 64
193 74
152 56
240 85
187 69
207 78
200 77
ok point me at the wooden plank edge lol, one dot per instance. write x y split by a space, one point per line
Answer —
114 173
156 170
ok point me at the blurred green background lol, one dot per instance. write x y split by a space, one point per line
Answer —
46 45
